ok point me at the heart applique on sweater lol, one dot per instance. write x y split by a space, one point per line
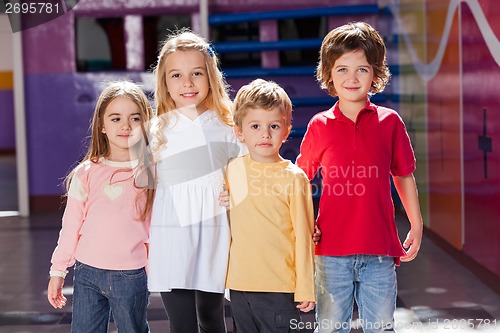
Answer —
113 191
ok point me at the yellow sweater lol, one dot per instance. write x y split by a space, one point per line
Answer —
272 222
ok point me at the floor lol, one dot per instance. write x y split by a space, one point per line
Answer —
436 292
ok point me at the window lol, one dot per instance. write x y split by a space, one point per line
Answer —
100 42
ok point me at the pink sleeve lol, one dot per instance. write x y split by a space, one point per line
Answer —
72 221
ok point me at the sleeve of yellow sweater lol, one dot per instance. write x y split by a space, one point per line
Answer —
302 213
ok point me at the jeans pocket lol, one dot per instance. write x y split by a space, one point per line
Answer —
133 273
78 265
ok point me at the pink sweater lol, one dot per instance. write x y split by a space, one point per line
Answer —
99 226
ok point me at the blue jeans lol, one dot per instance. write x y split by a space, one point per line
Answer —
368 280
98 292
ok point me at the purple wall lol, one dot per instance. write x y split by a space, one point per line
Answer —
58 113
59 104
7 133
50 47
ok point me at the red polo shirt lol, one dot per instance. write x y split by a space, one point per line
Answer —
356 213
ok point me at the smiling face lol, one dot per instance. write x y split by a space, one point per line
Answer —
263 131
121 124
187 79
352 77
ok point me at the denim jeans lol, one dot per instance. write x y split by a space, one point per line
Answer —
98 292
368 280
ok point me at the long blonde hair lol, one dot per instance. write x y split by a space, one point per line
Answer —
217 99
99 144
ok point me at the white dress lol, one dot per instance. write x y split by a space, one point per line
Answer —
189 244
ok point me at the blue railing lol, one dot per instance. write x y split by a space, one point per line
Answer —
221 19
260 72
250 72
256 46
328 101
297 132
280 45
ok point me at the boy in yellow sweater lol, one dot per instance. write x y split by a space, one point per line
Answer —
271 260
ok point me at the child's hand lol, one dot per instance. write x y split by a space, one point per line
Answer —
317 234
54 292
305 306
224 198
412 243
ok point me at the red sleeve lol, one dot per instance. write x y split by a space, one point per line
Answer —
403 159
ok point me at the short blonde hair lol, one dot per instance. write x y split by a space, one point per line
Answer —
353 37
261 94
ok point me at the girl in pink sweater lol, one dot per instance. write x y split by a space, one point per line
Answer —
105 227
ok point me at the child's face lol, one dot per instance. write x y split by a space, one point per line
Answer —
187 79
122 126
352 77
263 131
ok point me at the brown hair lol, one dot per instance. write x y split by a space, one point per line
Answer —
261 94
99 144
353 37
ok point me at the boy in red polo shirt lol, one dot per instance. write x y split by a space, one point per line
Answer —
358 145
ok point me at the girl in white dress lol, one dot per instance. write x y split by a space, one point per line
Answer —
192 141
